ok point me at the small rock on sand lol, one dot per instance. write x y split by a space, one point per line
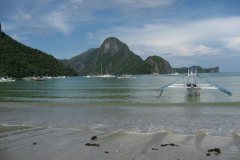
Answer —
92 144
170 144
94 138
216 151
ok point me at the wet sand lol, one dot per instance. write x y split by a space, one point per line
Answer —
28 143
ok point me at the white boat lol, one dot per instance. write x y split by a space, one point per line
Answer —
37 78
192 87
174 74
88 76
105 75
155 74
125 76
47 77
2 79
60 77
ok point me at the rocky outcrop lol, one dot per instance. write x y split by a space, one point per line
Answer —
199 69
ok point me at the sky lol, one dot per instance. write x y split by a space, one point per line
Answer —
184 32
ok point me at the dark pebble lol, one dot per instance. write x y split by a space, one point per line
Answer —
170 144
92 144
217 151
154 148
208 154
106 152
34 143
94 138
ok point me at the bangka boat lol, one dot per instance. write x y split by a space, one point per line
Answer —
193 88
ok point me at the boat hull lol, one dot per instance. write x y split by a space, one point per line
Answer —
193 91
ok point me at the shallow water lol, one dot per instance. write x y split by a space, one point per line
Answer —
143 89
131 105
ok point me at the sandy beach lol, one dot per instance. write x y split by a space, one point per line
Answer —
28 143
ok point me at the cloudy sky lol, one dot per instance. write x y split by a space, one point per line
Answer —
184 32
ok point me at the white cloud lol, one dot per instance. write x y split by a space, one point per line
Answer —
58 21
232 43
200 37
21 16
61 17
138 4
205 50
7 27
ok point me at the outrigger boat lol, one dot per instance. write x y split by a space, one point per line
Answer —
192 87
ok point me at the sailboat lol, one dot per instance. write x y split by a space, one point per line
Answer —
174 73
106 75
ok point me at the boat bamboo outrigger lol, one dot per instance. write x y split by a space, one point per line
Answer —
192 87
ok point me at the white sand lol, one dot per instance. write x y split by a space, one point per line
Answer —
18 143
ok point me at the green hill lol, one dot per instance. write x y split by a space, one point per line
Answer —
18 60
115 57
156 64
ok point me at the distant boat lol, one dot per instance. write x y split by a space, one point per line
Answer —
174 73
47 77
60 77
2 79
37 78
155 74
89 76
125 76
105 75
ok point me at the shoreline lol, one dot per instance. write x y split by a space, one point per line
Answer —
27 143
37 112
38 137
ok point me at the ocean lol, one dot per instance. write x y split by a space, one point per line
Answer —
128 105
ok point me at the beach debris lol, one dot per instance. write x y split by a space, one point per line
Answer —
34 143
215 151
93 138
93 144
106 152
169 144
154 148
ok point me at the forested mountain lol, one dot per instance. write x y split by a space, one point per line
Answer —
18 60
115 57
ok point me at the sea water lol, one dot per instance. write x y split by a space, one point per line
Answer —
130 105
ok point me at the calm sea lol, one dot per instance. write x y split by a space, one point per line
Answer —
131 105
